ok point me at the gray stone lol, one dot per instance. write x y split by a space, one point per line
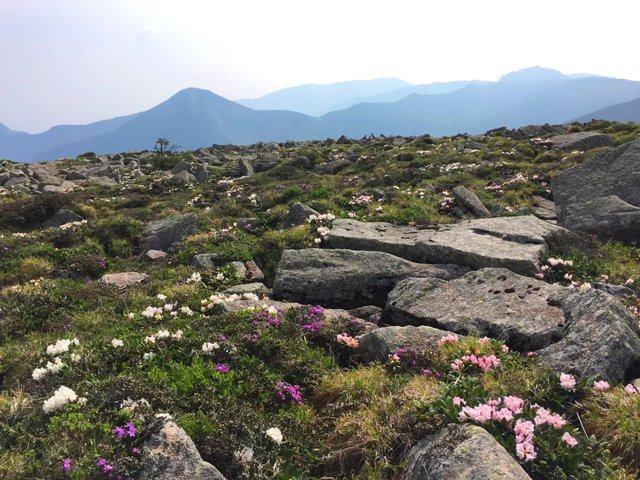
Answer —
517 243
155 254
124 279
580 141
183 178
347 278
601 196
207 261
169 454
490 302
161 234
201 173
256 288
61 217
73 175
239 270
462 452
298 214
469 202
332 167
17 181
602 338
615 290
181 166
544 208
377 345
245 168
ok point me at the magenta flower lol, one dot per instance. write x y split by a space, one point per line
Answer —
104 465
222 368
66 465
119 432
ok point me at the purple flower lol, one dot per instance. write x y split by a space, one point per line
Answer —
128 430
222 368
66 465
135 451
119 432
104 465
288 391
131 429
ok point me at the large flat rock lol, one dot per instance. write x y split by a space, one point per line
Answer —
602 196
462 452
493 302
348 278
587 333
580 141
161 234
516 243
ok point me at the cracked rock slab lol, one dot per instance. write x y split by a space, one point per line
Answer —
124 279
489 302
348 278
462 452
516 243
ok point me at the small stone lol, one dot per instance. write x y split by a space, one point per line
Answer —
124 279
155 254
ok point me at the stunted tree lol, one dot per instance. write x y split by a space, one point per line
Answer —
164 147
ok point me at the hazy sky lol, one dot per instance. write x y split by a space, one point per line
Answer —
76 61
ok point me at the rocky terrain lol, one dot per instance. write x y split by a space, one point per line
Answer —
385 308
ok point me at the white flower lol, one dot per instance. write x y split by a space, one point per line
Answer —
177 335
61 346
243 456
131 315
250 296
194 278
163 334
168 307
60 398
150 339
273 311
274 434
39 373
56 366
209 347
151 312
148 355
116 343
162 297
187 311
82 401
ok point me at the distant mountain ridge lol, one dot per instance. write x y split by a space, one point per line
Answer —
622 112
194 117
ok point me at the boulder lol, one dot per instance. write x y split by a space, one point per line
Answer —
580 141
332 167
544 208
207 261
378 344
462 452
601 196
161 234
469 202
170 454
245 168
124 279
201 173
181 166
347 278
602 338
489 302
256 288
252 272
298 214
517 243
183 178
61 217
155 254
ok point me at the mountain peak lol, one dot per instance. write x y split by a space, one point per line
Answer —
533 74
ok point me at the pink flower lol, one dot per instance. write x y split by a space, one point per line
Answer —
505 349
569 440
515 404
66 465
567 381
531 354
449 338
544 416
457 401
630 389
523 430
601 385
526 451
503 415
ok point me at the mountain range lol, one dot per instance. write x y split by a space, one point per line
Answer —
194 118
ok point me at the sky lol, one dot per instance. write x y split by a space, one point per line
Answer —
78 61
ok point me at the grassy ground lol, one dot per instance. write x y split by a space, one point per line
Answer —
353 420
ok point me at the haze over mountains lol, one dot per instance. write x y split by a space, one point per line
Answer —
194 118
